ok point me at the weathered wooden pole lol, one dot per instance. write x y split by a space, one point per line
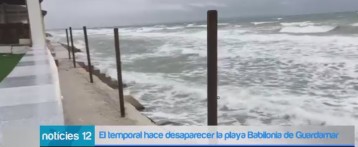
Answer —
68 45
212 63
72 49
119 72
89 65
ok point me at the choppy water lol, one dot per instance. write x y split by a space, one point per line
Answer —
298 70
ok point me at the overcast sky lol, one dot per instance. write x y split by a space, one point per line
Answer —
96 13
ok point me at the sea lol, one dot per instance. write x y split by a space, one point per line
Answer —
282 70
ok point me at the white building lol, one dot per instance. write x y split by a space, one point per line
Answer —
30 95
21 23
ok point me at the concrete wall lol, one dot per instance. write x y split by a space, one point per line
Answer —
36 24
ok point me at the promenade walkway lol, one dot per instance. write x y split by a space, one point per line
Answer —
37 92
29 97
88 103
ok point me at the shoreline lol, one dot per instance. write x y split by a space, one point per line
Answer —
112 85
96 72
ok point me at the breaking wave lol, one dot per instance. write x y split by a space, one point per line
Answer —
299 24
268 78
305 27
354 25
264 22
308 29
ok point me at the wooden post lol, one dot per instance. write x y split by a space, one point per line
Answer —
68 45
212 63
89 65
119 72
72 49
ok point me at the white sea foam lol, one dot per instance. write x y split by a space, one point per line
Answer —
307 29
299 24
264 22
354 24
203 26
190 25
149 29
196 26
160 26
100 31
80 44
175 27
248 65
56 38
223 24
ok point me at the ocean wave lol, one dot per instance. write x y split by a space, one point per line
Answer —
310 70
160 26
101 31
175 28
264 22
223 24
354 24
190 25
196 26
163 27
202 26
307 29
299 24
80 44
149 29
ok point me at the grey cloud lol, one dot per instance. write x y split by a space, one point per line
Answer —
95 13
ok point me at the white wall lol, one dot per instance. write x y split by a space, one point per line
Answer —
36 24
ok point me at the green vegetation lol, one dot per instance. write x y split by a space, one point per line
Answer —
7 63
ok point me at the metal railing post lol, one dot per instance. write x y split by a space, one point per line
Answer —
89 65
68 45
72 49
212 63
119 72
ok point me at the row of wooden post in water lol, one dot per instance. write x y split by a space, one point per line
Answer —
212 56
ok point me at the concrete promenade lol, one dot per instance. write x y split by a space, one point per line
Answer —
86 103
29 97
37 92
